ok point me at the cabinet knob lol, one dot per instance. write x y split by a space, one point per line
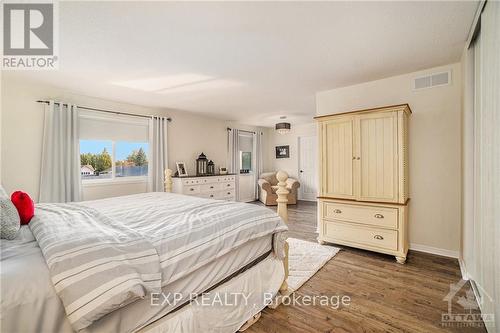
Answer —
211 187
337 211
211 195
191 189
378 237
379 216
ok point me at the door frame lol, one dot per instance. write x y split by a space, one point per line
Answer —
316 170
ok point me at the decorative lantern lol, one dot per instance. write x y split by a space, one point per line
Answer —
211 168
201 165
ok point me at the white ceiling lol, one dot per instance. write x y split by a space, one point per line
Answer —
248 62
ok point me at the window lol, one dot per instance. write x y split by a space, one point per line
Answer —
246 148
108 160
131 159
96 159
246 160
113 147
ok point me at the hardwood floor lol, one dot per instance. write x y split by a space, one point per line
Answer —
385 296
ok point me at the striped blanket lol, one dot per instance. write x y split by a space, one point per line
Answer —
105 254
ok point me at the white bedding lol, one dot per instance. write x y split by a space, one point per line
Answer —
29 302
106 254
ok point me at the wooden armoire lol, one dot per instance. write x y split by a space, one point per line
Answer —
363 175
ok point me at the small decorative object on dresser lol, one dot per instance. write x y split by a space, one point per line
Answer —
223 170
364 179
201 165
211 168
282 151
181 169
220 187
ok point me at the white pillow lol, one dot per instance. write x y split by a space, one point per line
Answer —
3 193
24 235
10 221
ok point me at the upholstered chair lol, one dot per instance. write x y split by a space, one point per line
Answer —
268 185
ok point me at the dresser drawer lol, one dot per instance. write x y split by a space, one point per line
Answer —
227 185
377 216
225 194
193 189
210 188
360 235
227 178
192 181
209 195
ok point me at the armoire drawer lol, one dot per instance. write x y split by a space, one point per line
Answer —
360 235
377 216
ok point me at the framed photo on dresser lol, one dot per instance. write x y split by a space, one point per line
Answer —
181 169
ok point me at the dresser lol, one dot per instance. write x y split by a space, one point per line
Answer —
220 187
363 162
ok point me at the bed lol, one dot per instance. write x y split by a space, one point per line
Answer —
174 248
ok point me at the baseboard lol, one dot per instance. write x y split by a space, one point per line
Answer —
461 263
435 250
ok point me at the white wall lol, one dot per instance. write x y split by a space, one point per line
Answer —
22 127
1 112
435 150
290 165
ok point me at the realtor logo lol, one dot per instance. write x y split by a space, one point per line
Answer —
29 36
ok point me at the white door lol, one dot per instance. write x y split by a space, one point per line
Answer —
308 168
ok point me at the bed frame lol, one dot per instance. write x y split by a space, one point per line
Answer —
282 201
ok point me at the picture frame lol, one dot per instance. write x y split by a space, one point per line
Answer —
181 169
283 151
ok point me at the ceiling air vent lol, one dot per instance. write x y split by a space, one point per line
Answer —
432 80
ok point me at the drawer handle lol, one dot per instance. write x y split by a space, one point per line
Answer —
228 192
191 189
379 216
211 195
378 237
228 185
211 187
337 211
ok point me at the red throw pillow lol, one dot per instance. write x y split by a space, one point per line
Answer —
25 206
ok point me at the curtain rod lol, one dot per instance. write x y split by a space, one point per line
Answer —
108 111
230 129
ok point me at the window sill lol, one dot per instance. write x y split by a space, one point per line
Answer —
116 181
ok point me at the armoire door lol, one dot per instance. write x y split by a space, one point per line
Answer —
376 164
336 158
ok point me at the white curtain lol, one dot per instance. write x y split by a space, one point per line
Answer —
234 156
60 170
158 153
258 139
